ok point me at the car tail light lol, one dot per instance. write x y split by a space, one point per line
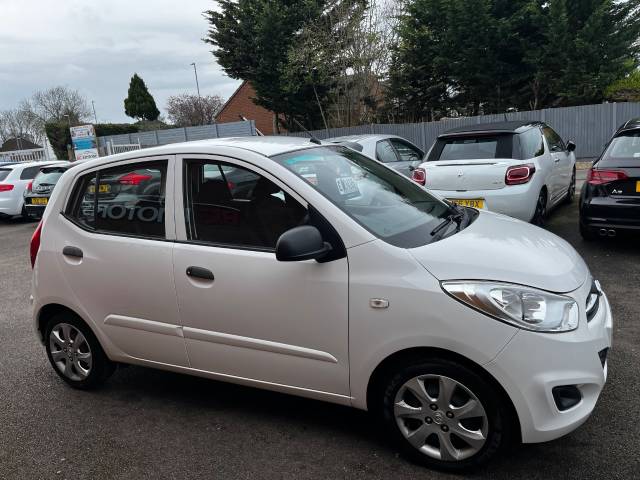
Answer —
601 177
30 186
134 178
519 174
6 187
35 244
419 175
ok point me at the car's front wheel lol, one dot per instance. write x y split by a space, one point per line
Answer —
443 415
75 353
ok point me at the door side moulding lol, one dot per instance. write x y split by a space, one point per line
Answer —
256 344
144 325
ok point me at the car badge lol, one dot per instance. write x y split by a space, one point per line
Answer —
460 174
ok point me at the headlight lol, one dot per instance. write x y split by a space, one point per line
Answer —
524 307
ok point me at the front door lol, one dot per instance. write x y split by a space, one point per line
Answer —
245 314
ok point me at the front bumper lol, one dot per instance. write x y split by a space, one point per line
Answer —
532 364
517 201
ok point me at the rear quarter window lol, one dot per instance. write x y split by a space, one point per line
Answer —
29 173
4 173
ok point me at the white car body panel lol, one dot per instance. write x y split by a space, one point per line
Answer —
308 328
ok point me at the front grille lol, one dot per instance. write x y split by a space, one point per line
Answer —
593 300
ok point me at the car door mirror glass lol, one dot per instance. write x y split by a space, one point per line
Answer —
571 146
301 243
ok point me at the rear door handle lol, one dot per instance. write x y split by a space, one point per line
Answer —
70 251
201 273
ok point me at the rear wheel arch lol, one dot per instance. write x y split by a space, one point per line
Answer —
390 365
54 309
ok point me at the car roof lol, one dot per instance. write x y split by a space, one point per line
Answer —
513 126
633 124
267 146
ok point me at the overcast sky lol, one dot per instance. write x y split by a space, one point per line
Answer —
96 46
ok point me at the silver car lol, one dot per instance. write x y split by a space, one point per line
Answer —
395 151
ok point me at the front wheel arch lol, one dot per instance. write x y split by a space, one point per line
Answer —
409 356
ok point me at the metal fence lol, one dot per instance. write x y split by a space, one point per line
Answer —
177 135
589 126
31 155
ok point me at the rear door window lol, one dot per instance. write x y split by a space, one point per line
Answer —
127 200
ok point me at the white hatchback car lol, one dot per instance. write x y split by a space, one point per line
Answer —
15 179
522 169
261 261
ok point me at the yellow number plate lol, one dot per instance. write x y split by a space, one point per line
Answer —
103 188
471 202
39 201
638 187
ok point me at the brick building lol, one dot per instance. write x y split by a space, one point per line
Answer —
241 104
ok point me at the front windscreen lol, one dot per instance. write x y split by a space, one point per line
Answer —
389 205
623 151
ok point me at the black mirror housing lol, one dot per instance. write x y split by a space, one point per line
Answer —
571 146
301 243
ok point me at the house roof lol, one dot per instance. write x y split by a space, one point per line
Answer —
18 144
230 99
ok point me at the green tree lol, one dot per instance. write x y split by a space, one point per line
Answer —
626 89
139 103
252 40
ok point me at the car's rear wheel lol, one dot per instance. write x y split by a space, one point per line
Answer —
571 193
75 353
540 215
444 415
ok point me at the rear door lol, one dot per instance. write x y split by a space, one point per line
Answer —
116 256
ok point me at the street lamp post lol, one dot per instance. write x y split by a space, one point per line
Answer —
93 105
195 71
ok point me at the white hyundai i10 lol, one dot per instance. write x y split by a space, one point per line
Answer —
314 270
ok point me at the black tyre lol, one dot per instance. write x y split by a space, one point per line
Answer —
571 193
540 215
75 353
443 415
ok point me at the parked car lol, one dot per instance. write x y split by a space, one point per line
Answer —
335 278
14 180
521 169
38 192
610 198
397 152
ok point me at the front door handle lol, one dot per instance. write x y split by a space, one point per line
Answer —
201 273
70 251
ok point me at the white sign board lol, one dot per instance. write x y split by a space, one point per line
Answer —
84 142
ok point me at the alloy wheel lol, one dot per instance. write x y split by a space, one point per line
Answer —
541 209
441 417
70 352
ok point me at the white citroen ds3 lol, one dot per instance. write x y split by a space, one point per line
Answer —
316 271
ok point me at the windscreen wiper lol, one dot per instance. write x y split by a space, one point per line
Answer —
454 217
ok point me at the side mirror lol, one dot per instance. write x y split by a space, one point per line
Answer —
301 243
571 146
